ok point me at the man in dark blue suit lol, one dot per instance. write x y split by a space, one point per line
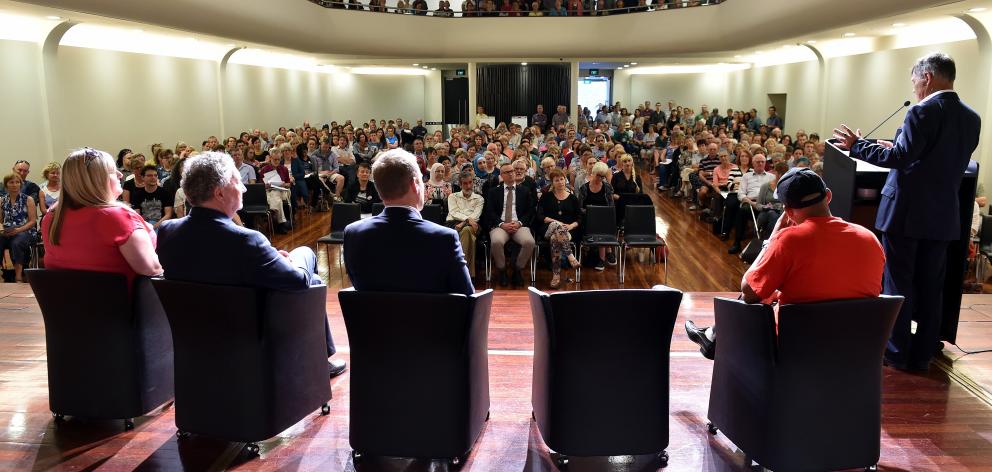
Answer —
398 251
207 247
919 215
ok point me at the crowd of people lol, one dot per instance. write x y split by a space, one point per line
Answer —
494 8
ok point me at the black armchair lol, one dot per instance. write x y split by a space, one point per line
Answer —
419 372
808 398
342 215
624 335
107 360
249 362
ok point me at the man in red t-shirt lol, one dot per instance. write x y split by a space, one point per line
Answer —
811 255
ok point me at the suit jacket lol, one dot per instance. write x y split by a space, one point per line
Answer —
928 159
207 247
398 251
522 199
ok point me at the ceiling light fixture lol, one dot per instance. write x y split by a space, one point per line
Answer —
898 25
415 65
849 35
423 67
812 41
977 10
433 68
737 56
53 17
523 63
633 63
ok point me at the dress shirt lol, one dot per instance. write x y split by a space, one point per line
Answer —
461 208
408 207
247 173
513 211
751 184
928 97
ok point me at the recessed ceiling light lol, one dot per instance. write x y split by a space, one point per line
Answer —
633 63
737 56
415 65
53 17
898 25
849 35
812 41
976 10
423 67
523 63
433 68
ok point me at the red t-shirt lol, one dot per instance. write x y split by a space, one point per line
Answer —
91 237
824 258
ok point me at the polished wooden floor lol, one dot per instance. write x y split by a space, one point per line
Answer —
940 421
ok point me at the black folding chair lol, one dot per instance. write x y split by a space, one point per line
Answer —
640 232
377 208
342 215
600 231
256 204
432 213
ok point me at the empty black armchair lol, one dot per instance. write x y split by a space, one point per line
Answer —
106 360
249 362
419 372
808 398
624 338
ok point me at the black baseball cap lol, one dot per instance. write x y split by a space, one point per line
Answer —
800 187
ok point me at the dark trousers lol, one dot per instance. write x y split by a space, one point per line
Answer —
914 268
304 258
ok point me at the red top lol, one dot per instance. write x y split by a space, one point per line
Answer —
824 258
91 237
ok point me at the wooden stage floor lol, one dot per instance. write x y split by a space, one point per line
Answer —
940 421
930 422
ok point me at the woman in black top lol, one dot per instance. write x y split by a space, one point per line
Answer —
599 193
361 190
560 215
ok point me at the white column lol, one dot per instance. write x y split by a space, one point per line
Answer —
472 98
981 25
573 100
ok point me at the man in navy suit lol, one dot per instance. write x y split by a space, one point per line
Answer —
510 212
918 215
399 251
207 247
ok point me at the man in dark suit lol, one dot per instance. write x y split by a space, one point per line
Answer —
918 214
398 251
511 221
207 247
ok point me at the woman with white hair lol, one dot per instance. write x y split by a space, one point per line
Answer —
597 191
88 229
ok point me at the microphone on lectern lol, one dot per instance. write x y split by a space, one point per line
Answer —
904 105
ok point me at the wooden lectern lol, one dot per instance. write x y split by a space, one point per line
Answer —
857 191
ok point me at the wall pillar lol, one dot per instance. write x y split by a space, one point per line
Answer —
573 100
983 102
473 99
50 99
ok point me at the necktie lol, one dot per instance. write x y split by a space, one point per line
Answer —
508 206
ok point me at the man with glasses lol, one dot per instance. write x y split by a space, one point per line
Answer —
510 212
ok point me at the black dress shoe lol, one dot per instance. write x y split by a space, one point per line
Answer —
698 336
336 367
734 249
724 236
518 278
503 279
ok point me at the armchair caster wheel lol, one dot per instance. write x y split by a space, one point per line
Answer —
561 461
871 468
182 434
325 409
711 428
456 462
252 448
356 457
128 424
663 458
58 417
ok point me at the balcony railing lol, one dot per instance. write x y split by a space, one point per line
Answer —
470 10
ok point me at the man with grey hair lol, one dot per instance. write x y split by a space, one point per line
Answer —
207 247
919 215
399 251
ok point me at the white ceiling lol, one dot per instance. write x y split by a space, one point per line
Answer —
713 33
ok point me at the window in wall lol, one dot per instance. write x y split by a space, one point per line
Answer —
594 92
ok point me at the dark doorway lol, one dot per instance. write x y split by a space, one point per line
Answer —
455 101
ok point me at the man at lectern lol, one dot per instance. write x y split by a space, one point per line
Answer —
919 215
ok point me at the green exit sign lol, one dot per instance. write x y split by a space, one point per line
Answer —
460 72
593 71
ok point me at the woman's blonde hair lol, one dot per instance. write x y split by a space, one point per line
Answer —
626 158
84 184
51 167
601 169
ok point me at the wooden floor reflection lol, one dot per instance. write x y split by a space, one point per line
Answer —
930 422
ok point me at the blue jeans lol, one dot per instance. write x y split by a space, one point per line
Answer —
19 245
